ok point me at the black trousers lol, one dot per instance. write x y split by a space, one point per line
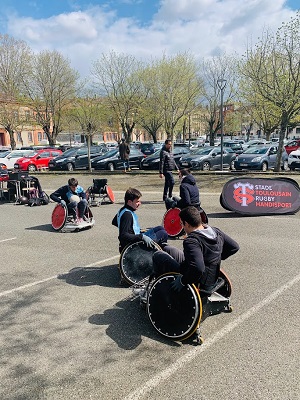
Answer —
169 184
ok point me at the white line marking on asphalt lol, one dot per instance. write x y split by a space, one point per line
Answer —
191 355
6 240
29 285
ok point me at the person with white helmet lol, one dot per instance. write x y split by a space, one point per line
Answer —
73 197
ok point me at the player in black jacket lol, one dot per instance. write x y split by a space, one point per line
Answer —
203 250
188 192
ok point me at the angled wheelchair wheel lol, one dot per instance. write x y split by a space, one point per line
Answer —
171 222
135 263
110 194
225 290
174 315
59 217
204 217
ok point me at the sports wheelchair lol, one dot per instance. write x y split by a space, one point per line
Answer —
99 193
177 316
60 220
171 221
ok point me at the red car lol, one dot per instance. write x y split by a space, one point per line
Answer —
36 160
293 145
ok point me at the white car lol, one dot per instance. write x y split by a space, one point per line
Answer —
294 159
11 157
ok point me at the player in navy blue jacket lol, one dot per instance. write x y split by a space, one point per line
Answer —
73 196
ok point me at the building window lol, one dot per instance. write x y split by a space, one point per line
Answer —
297 131
40 136
27 115
19 137
44 136
29 137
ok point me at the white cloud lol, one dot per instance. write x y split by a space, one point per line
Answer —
204 27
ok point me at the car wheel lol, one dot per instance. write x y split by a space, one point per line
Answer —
231 166
31 168
70 167
292 168
264 167
285 166
111 167
206 166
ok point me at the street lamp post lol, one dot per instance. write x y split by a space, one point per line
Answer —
222 84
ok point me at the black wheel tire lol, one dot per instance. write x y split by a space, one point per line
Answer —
206 166
285 166
231 166
70 167
264 166
31 168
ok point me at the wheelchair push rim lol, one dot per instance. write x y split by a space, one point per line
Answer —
59 217
174 315
135 263
172 223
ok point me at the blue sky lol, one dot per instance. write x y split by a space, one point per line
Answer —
83 29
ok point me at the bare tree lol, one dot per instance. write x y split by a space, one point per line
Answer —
176 88
14 66
51 87
117 78
213 70
87 113
272 69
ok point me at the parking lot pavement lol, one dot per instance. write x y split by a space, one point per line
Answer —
70 331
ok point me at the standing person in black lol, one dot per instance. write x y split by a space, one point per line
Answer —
166 166
124 151
188 192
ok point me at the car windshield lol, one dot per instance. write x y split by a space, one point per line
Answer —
203 150
70 152
31 154
256 150
111 153
4 153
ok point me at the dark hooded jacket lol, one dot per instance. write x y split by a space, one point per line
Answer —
203 251
189 192
167 162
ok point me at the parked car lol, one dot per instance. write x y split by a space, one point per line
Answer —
75 158
292 146
36 160
207 158
235 146
254 142
147 148
11 157
152 162
260 158
111 160
294 160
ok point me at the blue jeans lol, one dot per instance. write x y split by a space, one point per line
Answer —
81 206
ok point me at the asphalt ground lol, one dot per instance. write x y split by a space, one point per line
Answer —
67 337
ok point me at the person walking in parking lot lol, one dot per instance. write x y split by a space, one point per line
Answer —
124 151
167 165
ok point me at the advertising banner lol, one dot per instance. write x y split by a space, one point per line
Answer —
261 196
